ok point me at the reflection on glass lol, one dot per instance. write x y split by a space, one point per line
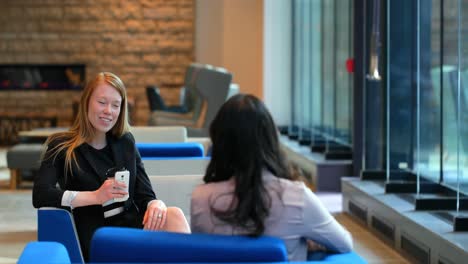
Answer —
322 89
374 144
433 98
328 68
450 155
463 151
430 92
401 87
342 77
297 55
375 44
316 72
463 100
305 69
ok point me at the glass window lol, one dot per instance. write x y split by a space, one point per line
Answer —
322 88
426 95
463 99
343 79
315 69
328 68
454 67
296 66
430 83
373 90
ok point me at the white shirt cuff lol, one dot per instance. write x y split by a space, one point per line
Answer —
68 197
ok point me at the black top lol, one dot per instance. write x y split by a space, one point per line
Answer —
103 156
108 168
89 177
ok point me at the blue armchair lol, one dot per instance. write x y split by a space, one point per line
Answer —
57 225
45 252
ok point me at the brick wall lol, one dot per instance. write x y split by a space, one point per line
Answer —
143 41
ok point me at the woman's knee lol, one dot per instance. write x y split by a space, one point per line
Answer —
175 213
176 220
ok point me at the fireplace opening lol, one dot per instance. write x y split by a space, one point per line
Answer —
21 77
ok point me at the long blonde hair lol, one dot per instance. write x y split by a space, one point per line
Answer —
82 130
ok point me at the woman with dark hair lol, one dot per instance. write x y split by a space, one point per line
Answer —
249 188
84 159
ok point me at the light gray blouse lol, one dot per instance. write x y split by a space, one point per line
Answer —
296 214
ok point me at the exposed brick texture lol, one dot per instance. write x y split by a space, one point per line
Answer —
143 41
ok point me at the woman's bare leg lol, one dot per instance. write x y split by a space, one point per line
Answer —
176 221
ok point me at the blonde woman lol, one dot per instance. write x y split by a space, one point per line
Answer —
84 159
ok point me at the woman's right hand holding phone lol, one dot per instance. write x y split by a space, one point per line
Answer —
110 189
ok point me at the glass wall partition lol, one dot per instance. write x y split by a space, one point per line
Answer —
373 88
429 83
403 85
302 68
341 130
442 154
305 69
322 88
343 79
453 68
316 69
426 93
328 69
297 110
415 89
463 98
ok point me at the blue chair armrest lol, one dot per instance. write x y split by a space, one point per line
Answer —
184 149
45 252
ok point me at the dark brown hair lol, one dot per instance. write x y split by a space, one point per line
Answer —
245 142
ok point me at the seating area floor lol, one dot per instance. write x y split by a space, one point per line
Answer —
18 224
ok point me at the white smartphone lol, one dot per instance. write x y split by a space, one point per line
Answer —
122 176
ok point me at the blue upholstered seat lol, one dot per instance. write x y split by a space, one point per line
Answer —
159 150
117 245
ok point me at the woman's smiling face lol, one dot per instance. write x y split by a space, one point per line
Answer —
104 108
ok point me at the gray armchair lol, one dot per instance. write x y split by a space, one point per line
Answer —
187 99
210 88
